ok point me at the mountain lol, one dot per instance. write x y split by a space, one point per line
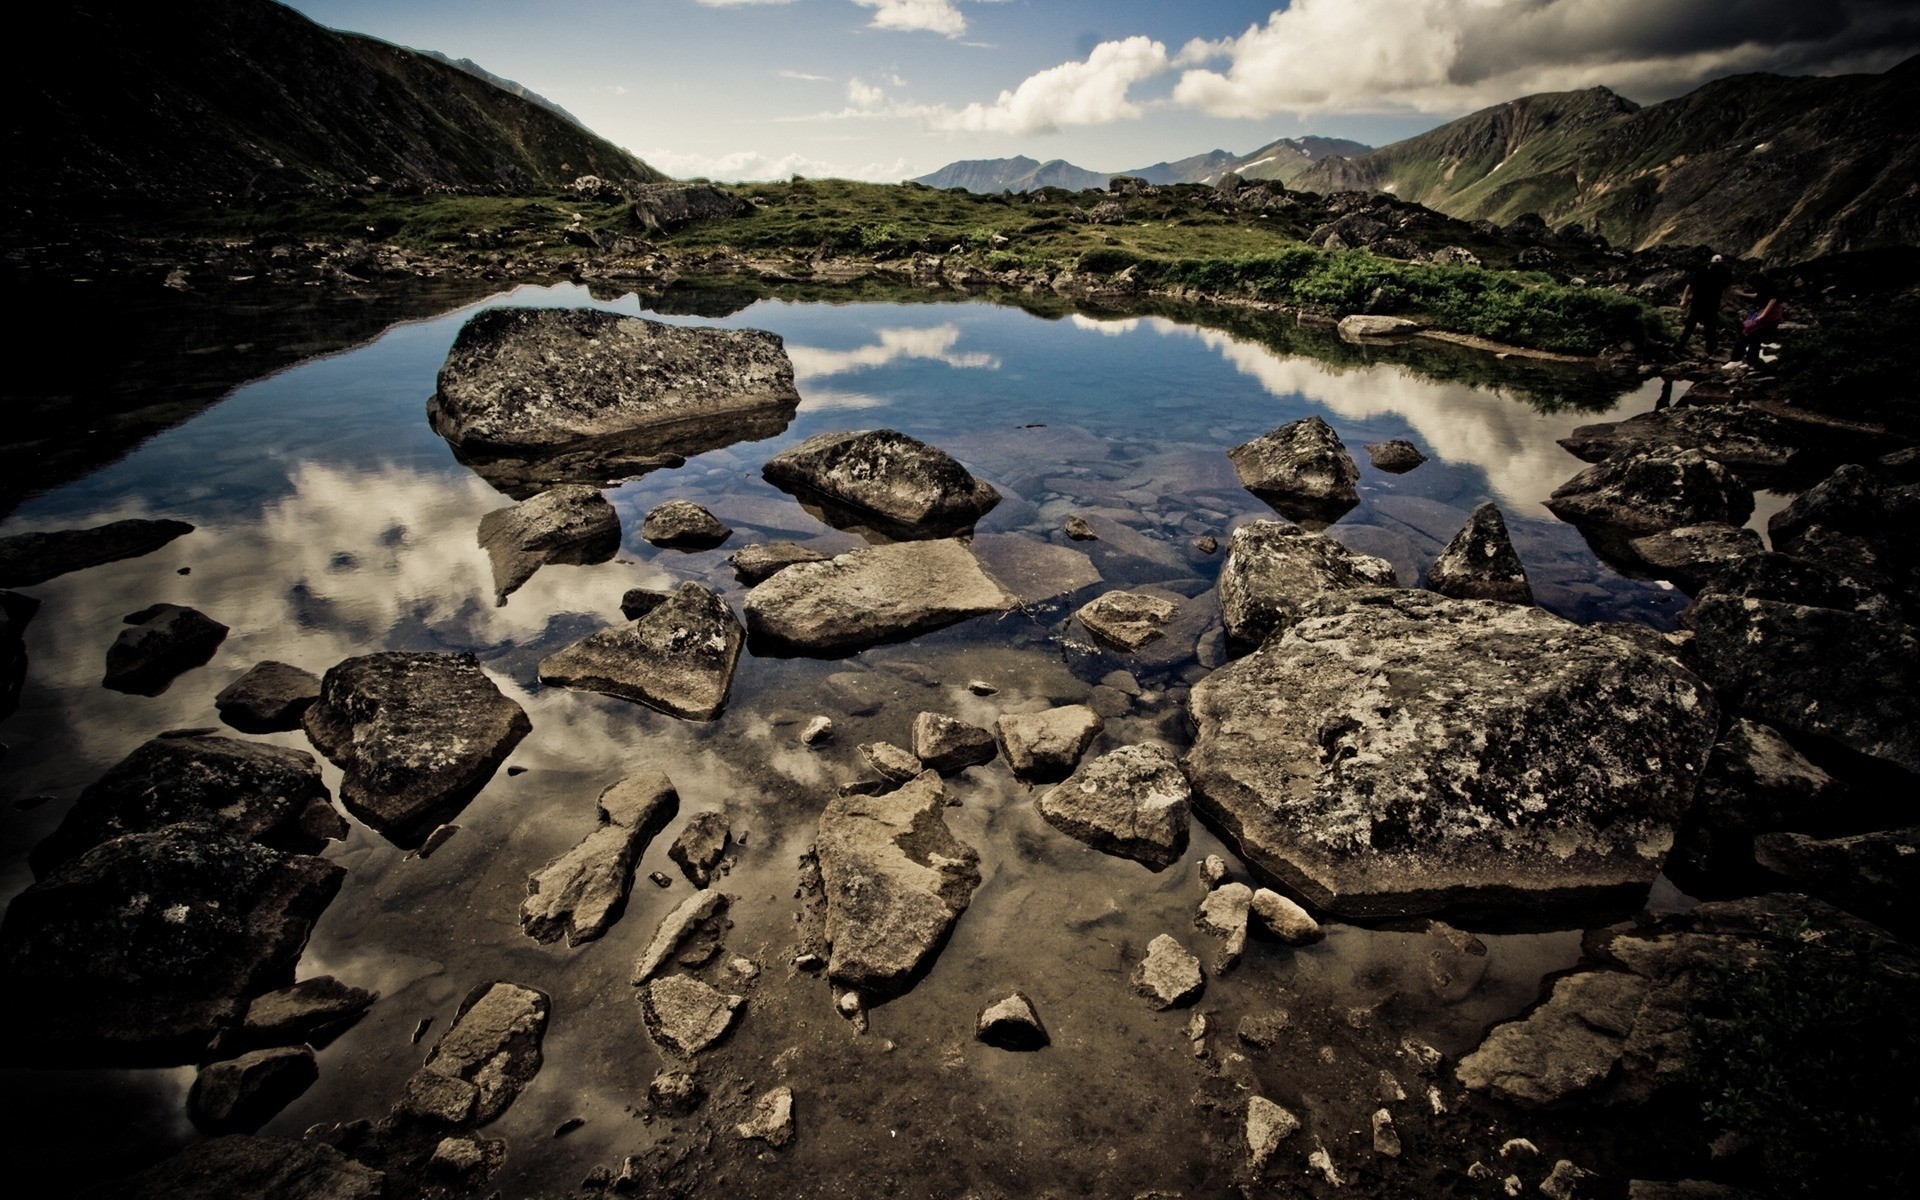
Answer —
1282 160
1783 168
1200 168
192 100
500 81
1021 174
1289 158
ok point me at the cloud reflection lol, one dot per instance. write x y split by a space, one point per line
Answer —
935 343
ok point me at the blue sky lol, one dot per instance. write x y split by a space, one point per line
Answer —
886 89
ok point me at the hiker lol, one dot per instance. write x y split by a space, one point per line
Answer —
1761 320
1701 299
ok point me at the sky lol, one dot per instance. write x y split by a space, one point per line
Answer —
889 89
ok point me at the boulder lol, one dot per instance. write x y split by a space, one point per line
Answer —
638 602
1011 1024
1785 577
270 698
1357 327
701 846
1273 569
1397 456
570 524
1127 620
242 1165
895 879
668 206
1854 499
1873 875
1301 469
165 640
772 1119
678 658
685 1015
1842 677
1754 443
15 611
416 735
1168 976
683 525
1693 556
1283 919
30 558
1046 746
142 949
872 595
584 891
911 488
1479 563
1652 491
699 910
312 1011
756 563
1756 782
947 744
1399 752
248 790
493 1046
1132 802
239 1095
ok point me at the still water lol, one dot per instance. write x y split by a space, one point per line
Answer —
332 522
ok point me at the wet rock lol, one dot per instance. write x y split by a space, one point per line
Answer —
1854 499
1456 961
30 558
1693 556
1874 875
1268 1125
248 790
1566 1047
15 611
1284 919
701 846
1223 913
1213 870
757 563
417 736
893 762
440 836
669 206
1077 528
675 1093
270 698
678 658
1742 437
1396 456
1206 543
1398 752
1301 469
1386 1139
584 891
1262 1030
703 908
1844 678
1168 976
143 948
1756 782
638 602
685 1015
493 1046
468 1160
569 524
1127 620
1360 326
1479 563
165 640
1032 570
1563 1182
1773 576
683 525
430 1096
1045 746
872 595
909 487
240 1165
1132 802
1273 569
818 730
239 1095
311 1011
896 879
772 1119
1011 1024
947 744
1634 495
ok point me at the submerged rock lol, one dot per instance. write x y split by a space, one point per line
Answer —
241 1165
911 487
683 525
696 911
164 641
896 879
569 524
1479 563
417 736
873 595
1273 569
270 698
584 891
947 744
250 790
1284 919
239 1095
1223 913
757 563
1168 976
492 1047
1046 746
1011 1024
1132 802
1652 491
678 658
1396 456
1400 752
685 1015
1301 469
1128 620
30 558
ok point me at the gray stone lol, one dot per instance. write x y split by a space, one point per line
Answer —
1744 437
818 730
895 879
772 1119
1033 570
1273 569
1396 456
310 1011
1168 976
493 1044
416 736
884 476
701 909
1223 913
1386 1139
1357 327
684 525
1401 752
1568 1046
757 563
1563 1182
1301 469
164 641
584 891
947 744
1456 961
1011 1024
270 698
1693 556
443 1099
569 524
1046 746
1756 782
1132 802
241 1165
678 658
669 206
239 1095
1077 528
1479 563
467 1159
30 558
873 595
685 1015
1284 919
638 602
701 846
893 762
1262 1030
1652 491
1268 1125
675 1093
1128 620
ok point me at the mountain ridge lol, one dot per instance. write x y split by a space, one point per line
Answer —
1282 159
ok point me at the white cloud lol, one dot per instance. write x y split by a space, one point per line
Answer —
805 76
736 3
1093 92
752 164
934 16
864 95
935 343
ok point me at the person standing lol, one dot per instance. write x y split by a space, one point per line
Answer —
1701 300
1761 321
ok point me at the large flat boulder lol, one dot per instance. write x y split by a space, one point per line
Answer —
1274 568
1398 752
1301 469
1651 491
567 524
912 488
581 893
30 558
872 595
679 657
417 735
896 880
160 642
1755 443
